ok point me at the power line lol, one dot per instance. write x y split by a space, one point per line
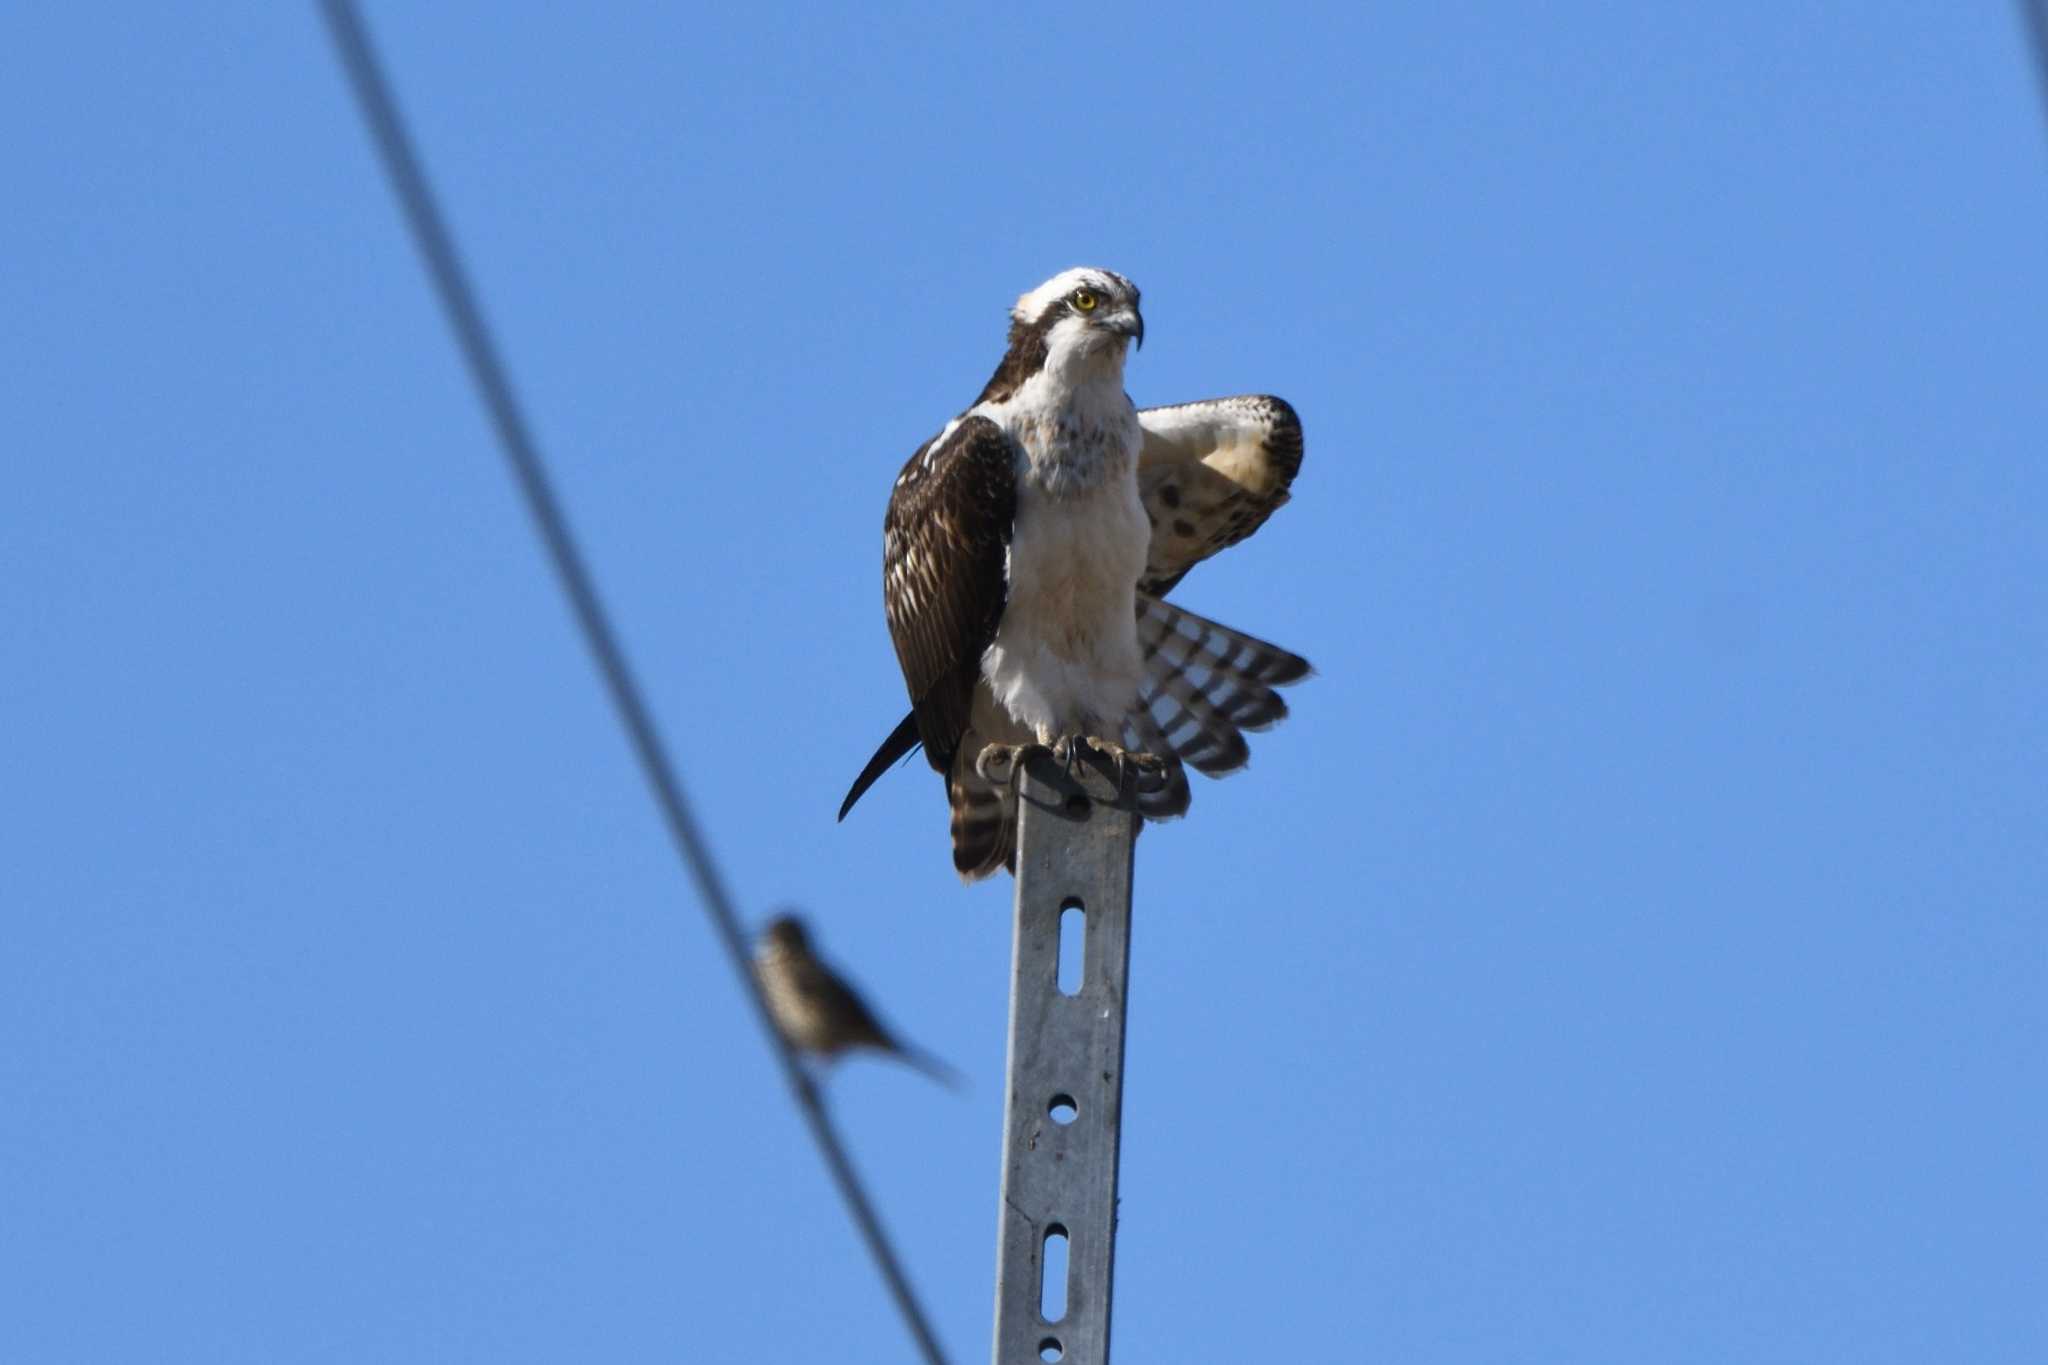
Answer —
2034 15
451 284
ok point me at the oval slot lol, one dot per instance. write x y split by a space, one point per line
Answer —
1073 946
1052 1275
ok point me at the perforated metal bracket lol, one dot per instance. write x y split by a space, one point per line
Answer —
1065 1078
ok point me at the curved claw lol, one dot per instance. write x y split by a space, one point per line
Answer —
1147 773
997 764
1150 773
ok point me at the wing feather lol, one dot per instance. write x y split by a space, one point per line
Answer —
1210 473
945 572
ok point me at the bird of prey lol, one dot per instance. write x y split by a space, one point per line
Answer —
816 1010
1026 550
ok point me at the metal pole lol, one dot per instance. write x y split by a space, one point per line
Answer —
1065 1083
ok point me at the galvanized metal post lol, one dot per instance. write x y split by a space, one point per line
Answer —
1065 1082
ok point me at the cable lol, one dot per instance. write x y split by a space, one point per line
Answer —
451 284
2034 14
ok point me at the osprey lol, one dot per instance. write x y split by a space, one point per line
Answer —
1025 552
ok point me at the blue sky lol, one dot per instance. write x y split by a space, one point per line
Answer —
1631 949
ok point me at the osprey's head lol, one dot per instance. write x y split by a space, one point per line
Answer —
1076 325
1082 313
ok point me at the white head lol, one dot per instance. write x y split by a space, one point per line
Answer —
1077 325
1083 313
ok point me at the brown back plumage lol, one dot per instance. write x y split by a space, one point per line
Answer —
945 581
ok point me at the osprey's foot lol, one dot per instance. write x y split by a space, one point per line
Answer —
1147 773
998 764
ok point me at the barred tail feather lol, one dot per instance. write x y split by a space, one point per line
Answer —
1196 732
984 817
1142 734
1204 685
1197 642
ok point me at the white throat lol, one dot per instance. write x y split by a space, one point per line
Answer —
1073 421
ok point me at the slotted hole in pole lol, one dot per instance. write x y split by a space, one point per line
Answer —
1073 944
1052 1277
1062 1110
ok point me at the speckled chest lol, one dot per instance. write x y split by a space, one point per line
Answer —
1071 446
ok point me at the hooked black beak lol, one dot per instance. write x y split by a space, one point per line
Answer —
1130 324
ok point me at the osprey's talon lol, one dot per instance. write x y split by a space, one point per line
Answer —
1147 771
997 763
1150 773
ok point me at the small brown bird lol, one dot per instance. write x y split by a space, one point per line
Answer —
817 1011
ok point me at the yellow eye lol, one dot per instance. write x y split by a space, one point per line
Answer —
1085 300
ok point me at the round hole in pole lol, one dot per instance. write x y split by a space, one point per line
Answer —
1077 804
1050 1349
1062 1110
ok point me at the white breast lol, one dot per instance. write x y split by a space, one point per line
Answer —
1065 658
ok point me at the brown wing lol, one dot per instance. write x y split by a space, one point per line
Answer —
851 1023
1210 474
945 572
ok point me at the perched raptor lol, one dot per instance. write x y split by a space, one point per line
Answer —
1026 550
